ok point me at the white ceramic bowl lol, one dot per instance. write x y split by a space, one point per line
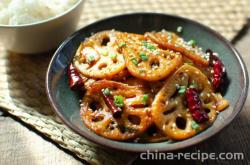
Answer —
41 36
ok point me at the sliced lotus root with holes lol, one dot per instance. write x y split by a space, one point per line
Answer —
207 70
152 135
169 111
98 117
97 57
145 60
116 88
171 41
132 89
148 87
121 76
132 81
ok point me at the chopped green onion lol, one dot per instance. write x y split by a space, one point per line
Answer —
118 101
90 59
191 43
145 99
170 36
195 125
135 62
113 56
104 52
142 70
143 57
144 43
189 63
106 91
148 45
179 29
122 44
182 90
151 47
193 85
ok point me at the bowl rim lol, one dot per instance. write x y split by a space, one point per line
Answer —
50 19
237 108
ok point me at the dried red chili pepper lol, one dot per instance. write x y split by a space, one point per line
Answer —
200 116
116 111
75 81
218 73
195 105
218 69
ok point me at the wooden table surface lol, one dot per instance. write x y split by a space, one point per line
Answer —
20 144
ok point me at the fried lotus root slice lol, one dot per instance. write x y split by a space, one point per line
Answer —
116 88
135 92
171 41
152 135
97 57
145 60
98 117
169 111
121 76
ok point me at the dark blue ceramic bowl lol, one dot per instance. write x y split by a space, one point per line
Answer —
65 102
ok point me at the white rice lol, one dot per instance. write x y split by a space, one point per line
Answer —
19 12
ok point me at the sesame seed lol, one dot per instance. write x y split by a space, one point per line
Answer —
179 29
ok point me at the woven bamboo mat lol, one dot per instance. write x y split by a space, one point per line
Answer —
22 91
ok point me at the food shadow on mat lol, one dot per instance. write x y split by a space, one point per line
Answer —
26 80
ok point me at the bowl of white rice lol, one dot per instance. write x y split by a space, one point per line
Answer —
37 26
